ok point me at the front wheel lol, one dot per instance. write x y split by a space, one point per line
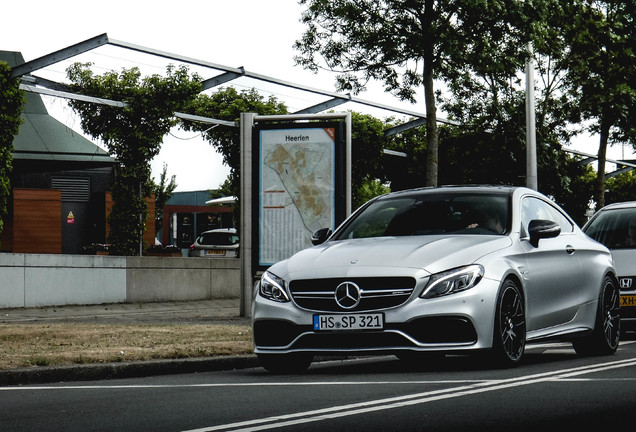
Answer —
285 363
509 340
607 330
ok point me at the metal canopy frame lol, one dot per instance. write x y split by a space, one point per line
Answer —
622 166
44 86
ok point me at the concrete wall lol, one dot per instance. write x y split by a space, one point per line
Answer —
28 280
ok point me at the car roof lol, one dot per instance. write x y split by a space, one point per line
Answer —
221 230
619 205
501 189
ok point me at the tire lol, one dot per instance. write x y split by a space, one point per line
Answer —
606 335
509 338
285 363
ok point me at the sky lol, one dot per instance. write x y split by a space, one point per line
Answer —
256 34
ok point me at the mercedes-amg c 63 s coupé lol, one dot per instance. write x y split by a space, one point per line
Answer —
440 270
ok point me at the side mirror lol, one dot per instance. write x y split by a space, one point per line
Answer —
540 229
320 236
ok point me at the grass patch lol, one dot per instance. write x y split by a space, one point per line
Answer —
24 345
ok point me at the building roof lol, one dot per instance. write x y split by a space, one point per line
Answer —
42 137
192 198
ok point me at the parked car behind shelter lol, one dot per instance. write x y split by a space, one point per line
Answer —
216 243
615 226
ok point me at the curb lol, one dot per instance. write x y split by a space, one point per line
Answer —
119 370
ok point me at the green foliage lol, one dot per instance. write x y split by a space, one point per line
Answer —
621 188
410 171
367 142
11 102
489 101
228 104
409 44
601 77
576 192
133 135
369 188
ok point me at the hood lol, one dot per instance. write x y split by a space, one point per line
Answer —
624 261
429 253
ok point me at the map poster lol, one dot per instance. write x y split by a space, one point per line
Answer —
297 189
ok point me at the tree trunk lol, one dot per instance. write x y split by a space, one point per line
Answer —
602 156
432 134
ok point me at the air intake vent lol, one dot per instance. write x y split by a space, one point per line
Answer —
73 188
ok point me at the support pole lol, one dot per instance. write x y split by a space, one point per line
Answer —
247 277
531 139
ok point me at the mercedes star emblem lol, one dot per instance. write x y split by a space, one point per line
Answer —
347 295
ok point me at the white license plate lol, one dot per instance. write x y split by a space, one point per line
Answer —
373 321
215 252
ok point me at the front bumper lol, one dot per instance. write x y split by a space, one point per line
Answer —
628 303
457 322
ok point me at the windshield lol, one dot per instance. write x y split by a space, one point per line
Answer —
616 229
218 238
428 214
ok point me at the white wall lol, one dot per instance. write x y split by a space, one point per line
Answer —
29 280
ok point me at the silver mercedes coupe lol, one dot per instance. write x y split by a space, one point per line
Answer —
474 269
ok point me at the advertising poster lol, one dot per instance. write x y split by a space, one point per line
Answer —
297 185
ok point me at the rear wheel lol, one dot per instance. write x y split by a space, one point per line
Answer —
607 330
509 340
285 363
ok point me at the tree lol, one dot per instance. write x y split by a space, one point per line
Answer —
488 100
11 102
370 188
163 191
601 74
407 44
367 142
228 104
621 188
410 171
133 134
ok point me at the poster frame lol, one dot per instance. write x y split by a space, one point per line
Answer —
339 204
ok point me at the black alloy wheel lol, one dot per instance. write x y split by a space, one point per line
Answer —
510 325
607 330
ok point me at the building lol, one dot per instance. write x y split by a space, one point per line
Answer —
187 214
60 183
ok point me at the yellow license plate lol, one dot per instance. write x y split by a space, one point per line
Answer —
628 300
215 252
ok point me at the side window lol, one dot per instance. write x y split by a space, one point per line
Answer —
558 217
533 208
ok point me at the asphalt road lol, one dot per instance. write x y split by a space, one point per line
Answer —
554 389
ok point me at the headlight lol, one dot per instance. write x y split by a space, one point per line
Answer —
453 281
273 288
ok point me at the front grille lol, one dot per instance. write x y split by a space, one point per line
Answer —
375 293
353 341
627 283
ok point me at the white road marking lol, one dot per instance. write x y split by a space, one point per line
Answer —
407 400
461 388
